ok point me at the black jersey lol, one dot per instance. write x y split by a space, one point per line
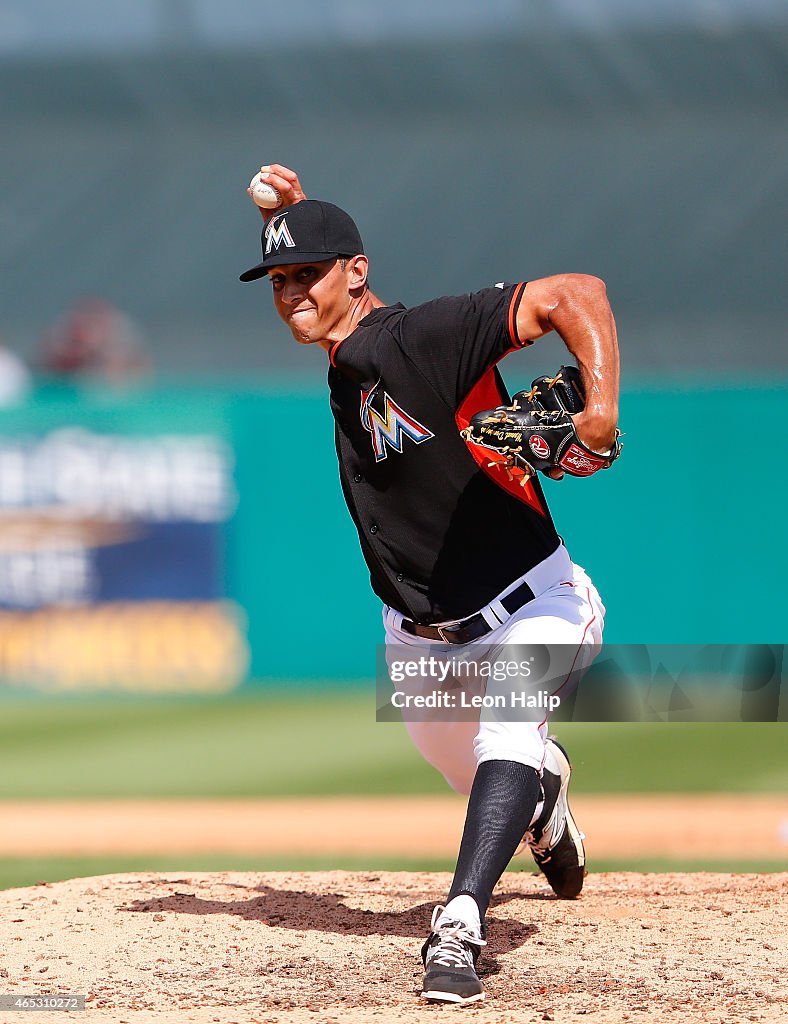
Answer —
442 529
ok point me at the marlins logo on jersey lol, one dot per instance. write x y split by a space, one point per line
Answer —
278 233
390 425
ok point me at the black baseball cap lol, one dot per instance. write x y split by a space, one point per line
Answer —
307 232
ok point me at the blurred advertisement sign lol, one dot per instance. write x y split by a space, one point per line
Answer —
112 563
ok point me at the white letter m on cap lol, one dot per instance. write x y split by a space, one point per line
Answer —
277 233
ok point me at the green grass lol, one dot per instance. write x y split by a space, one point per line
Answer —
22 871
238 746
315 743
658 757
17 872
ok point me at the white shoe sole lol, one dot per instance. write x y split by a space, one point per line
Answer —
452 997
565 774
575 834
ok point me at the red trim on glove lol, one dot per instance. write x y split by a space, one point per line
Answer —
486 394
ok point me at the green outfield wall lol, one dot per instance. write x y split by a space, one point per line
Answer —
190 539
558 139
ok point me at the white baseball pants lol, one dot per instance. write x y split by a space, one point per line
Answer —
566 611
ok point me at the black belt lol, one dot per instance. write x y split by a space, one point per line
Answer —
474 626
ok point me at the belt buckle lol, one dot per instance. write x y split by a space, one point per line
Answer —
440 629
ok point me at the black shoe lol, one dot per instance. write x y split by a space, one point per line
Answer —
554 839
450 954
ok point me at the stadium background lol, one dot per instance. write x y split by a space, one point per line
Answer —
183 609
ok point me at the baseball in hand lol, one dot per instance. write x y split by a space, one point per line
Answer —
264 195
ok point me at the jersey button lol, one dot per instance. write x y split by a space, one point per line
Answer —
373 528
358 478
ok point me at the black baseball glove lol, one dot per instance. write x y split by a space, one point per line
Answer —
536 431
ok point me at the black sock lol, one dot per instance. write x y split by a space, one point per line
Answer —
502 802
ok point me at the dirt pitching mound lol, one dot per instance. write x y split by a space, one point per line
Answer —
344 947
